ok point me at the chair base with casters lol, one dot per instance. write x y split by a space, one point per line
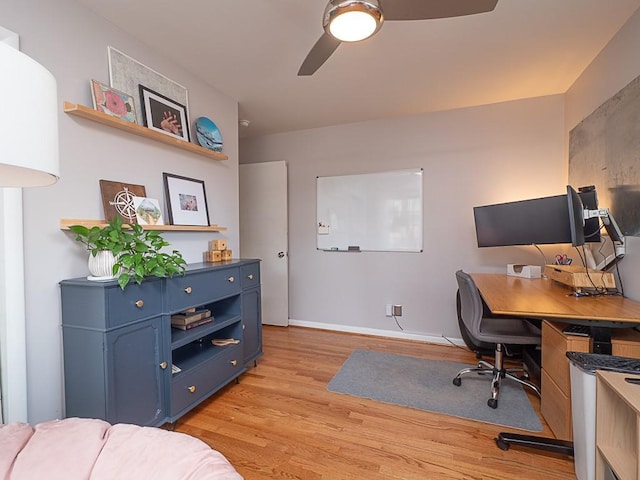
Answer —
498 372
481 329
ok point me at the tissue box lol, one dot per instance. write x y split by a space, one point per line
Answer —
524 271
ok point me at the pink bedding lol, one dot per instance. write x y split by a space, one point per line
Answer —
91 449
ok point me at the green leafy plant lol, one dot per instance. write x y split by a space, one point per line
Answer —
137 251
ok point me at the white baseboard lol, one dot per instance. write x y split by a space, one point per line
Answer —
379 333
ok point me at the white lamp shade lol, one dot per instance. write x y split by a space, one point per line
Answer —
28 123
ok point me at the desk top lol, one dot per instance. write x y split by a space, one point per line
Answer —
544 298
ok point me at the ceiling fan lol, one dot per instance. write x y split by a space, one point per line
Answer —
356 20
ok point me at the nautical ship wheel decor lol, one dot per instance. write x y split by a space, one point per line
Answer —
117 199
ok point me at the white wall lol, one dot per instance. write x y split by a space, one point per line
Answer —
611 70
472 156
72 43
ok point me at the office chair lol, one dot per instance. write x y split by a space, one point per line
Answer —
482 328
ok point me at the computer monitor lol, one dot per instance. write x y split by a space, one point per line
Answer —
537 221
576 217
526 222
592 226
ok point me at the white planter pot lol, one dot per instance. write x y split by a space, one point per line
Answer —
101 266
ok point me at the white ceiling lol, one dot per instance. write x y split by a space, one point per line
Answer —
251 50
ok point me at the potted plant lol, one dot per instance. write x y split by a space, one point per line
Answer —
136 252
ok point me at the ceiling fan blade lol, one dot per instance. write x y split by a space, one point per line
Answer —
427 9
319 54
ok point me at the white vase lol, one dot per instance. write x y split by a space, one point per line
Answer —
101 266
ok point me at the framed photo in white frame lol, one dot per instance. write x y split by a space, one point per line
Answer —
186 200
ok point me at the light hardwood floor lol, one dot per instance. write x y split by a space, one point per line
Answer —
280 421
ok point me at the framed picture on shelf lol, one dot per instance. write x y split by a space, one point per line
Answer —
186 200
148 211
126 73
164 115
113 102
117 199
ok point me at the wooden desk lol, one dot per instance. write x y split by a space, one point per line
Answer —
544 298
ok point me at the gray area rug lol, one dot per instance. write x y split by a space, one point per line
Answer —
427 385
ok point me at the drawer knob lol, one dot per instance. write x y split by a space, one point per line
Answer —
250 276
234 362
231 279
163 365
139 304
192 389
187 290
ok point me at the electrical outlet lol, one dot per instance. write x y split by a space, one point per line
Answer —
397 310
388 310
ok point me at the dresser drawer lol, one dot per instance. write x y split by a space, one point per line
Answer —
200 288
250 275
191 387
133 303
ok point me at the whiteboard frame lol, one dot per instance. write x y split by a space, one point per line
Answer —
346 201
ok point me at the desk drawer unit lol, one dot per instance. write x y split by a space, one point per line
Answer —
556 408
555 404
556 382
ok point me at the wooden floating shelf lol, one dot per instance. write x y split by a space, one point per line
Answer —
103 118
65 223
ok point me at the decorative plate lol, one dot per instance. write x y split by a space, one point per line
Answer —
208 134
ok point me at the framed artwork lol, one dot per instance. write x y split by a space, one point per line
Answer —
117 199
148 211
126 73
113 102
186 200
164 115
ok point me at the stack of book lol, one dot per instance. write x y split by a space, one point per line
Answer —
191 318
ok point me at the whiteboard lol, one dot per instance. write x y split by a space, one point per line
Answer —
370 212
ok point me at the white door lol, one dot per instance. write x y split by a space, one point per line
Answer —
264 234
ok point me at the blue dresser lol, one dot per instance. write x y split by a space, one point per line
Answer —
119 347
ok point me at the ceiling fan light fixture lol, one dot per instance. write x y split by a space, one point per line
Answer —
353 20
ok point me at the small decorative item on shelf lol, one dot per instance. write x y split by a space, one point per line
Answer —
113 102
148 211
136 251
223 342
117 199
208 134
217 251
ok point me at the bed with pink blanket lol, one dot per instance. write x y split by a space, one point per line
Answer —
91 449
